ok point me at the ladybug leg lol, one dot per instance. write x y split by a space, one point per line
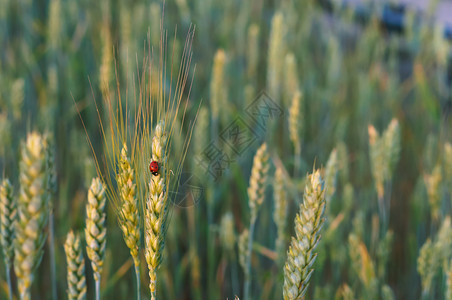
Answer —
155 173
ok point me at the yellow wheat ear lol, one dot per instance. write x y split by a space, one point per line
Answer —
156 209
96 230
129 218
75 267
33 212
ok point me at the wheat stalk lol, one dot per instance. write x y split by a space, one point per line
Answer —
75 267
8 219
33 212
156 209
96 230
301 255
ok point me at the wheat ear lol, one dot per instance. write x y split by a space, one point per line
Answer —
33 210
8 218
296 115
96 230
156 209
256 195
280 212
276 50
301 255
76 280
129 218
427 266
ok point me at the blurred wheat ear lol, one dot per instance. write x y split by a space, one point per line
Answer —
8 218
256 195
96 230
280 212
33 210
308 223
75 267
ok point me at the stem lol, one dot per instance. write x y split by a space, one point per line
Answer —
25 295
248 258
137 274
153 284
381 206
98 289
234 273
8 280
52 256
210 244
297 162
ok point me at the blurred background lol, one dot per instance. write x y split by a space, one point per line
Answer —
350 63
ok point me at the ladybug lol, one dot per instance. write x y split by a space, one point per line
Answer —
154 168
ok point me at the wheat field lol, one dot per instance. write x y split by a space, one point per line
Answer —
224 150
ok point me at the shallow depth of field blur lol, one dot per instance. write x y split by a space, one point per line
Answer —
249 60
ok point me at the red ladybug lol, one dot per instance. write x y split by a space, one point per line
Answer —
154 168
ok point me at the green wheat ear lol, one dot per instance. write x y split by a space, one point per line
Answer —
33 210
8 217
301 255
280 212
75 267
